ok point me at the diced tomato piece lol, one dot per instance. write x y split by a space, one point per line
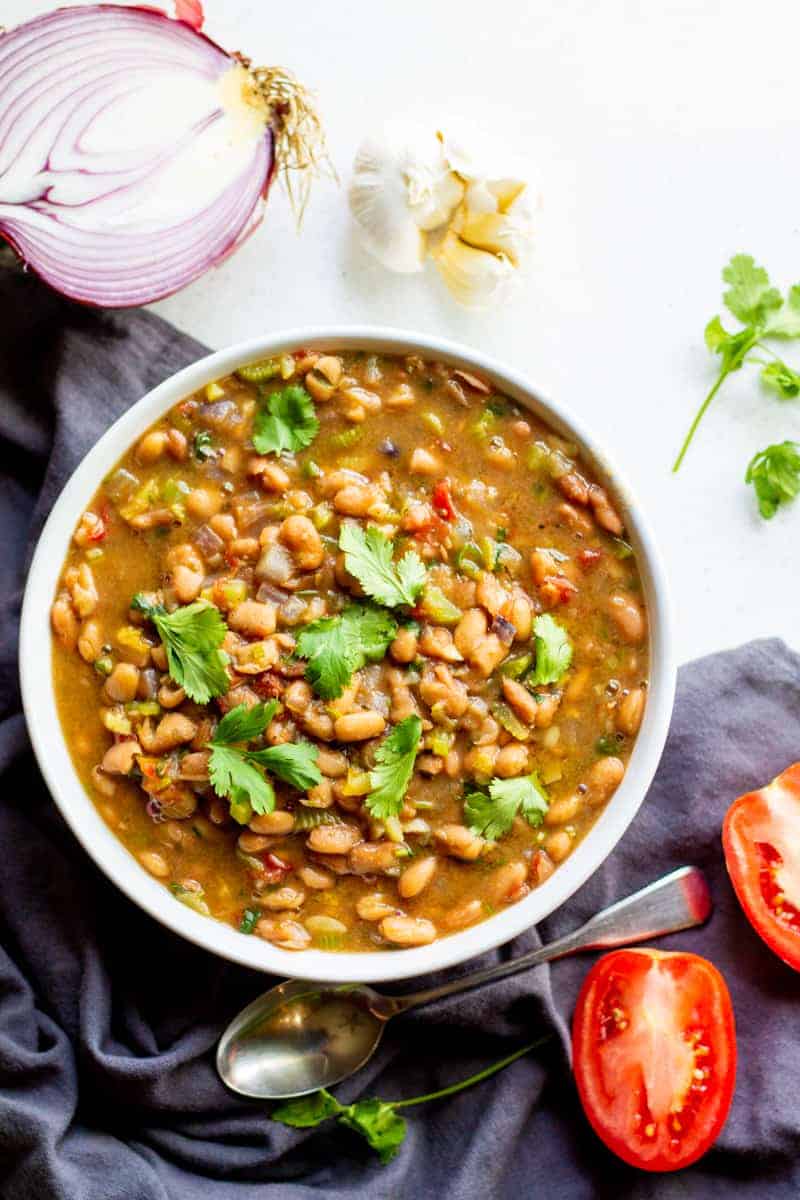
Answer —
589 558
761 840
276 869
442 500
654 1050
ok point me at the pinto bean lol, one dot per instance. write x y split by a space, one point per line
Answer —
333 839
512 760
253 618
375 907
463 915
277 823
187 583
65 621
522 701
122 683
507 883
417 877
172 730
460 842
301 538
155 863
408 931
318 881
374 858
358 726
120 758
437 642
282 899
604 778
90 640
605 514
404 647
564 810
331 763
558 845
630 712
283 932
627 616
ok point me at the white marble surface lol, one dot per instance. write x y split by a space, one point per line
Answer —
662 138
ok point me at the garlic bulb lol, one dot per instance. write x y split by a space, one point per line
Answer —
415 193
486 243
401 188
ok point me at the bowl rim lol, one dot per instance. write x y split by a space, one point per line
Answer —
119 864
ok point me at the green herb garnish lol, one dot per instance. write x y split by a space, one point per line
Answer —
288 422
203 446
553 651
764 313
192 635
377 1120
336 647
492 814
368 557
775 475
237 774
250 918
394 766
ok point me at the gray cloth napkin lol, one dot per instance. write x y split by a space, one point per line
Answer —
108 1022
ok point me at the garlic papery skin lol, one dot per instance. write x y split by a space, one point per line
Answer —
402 187
487 243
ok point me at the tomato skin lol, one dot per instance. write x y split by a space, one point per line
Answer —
684 1013
752 824
442 500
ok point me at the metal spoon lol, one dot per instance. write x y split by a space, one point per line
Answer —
301 1036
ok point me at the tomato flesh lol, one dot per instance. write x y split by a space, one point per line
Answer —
655 1055
761 840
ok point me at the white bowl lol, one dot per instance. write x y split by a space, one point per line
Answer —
109 853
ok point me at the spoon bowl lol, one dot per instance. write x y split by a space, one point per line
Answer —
301 1036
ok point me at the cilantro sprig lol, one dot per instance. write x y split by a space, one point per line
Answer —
288 422
368 555
335 647
553 651
191 635
238 774
763 314
394 766
377 1120
775 475
491 814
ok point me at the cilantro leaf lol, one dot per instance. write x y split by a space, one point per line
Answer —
750 296
368 556
775 475
782 379
293 762
235 779
378 1122
288 422
784 322
335 647
492 815
764 313
394 766
303 1112
236 773
203 446
242 724
192 635
553 651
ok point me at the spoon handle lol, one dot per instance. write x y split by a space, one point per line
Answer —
678 901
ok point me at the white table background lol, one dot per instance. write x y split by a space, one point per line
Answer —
662 137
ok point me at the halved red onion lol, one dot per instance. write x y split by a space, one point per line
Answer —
134 152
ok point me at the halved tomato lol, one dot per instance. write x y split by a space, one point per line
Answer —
761 840
654 1055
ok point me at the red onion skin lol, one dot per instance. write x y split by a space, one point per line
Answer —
188 12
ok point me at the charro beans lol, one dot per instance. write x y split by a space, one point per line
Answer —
336 751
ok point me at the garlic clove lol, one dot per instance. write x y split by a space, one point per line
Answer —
477 278
401 188
507 229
